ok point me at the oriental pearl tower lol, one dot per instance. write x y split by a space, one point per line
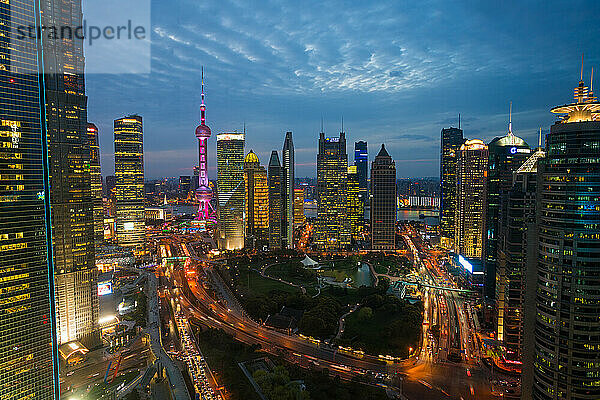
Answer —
204 193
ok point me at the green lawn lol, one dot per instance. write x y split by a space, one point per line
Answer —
262 285
291 272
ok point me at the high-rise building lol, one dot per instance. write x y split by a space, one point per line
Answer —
184 187
567 327
471 180
257 202
288 189
506 154
332 230
383 202
361 161
204 191
230 190
299 218
452 139
96 182
28 348
71 198
129 172
355 203
275 179
516 273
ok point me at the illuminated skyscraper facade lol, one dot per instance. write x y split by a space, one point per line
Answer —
28 345
383 202
361 161
204 192
129 185
256 220
471 181
516 274
288 189
567 327
230 190
452 139
299 218
96 183
276 209
70 159
332 230
355 204
506 154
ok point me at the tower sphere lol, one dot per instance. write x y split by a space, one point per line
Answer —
203 131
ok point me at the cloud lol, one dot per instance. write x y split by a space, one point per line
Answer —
397 71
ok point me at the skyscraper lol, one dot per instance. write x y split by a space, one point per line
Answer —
275 179
257 202
506 154
452 139
299 218
516 274
129 172
383 203
332 230
204 192
355 204
28 348
288 188
471 179
361 161
71 198
185 185
567 327
230 190
96 182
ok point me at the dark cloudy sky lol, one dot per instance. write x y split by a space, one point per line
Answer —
397 71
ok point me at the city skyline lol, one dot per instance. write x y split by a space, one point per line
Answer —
433 86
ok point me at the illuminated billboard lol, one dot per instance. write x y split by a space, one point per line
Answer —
128 226
104 288
467 265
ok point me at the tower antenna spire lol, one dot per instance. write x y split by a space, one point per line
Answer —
321 123
458 120
591 95
342 123
202 106
581 78
510 119
540 138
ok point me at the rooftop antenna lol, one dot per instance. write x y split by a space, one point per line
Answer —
540 138
321 123
591 93
342 123
510 120
581 78
244 127
458 120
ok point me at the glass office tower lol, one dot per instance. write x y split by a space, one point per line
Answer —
361 161
257 202
471 180
274 181
452 139
383 203
129 172
230 190
332 230
567 326
28 345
